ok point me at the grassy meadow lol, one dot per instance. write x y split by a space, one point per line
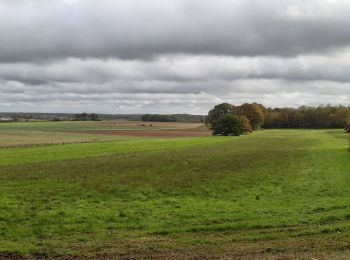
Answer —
270 194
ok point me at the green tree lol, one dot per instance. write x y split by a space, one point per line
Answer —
218 112
228 125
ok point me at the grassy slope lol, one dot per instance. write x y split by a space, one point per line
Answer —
271 192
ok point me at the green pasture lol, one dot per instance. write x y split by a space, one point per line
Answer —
269 194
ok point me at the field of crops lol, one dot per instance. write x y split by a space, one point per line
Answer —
271 194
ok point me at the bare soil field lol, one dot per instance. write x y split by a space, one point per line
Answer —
148 133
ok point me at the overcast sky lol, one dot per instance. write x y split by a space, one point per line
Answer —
172 56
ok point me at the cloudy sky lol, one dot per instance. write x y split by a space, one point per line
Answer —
172 56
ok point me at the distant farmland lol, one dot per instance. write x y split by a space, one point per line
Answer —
272 194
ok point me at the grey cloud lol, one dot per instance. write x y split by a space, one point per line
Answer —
169 72
174 97
40 30
160 56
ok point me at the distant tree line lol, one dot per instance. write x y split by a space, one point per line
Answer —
70 116
86 117
307 117
158 118
186 118
238 118
127 117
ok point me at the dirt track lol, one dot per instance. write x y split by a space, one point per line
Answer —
147 133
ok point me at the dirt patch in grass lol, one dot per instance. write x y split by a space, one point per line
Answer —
147 133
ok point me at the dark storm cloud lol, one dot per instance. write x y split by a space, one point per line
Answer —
34 30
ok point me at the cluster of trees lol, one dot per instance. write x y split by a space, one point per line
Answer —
307 117
86 117
227 119
158 118
226 116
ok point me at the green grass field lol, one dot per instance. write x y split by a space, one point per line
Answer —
273 194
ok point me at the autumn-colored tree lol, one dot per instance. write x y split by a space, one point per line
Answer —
253 112
245 125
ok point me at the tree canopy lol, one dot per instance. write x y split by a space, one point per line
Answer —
255 116
307 117
227 125
248 117
219 111
254 112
